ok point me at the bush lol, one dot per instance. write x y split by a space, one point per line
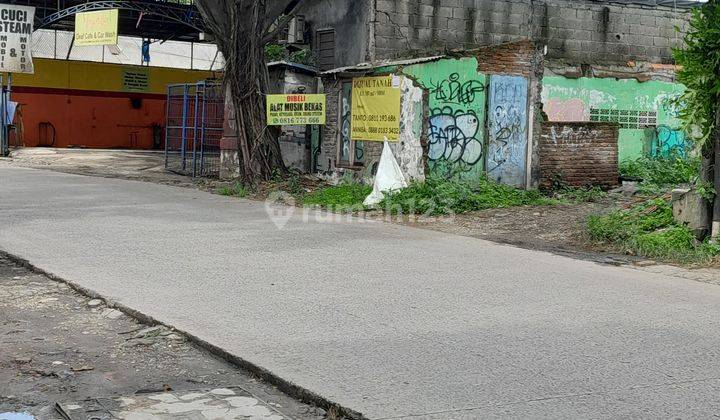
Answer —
343 197
237 189
661 173
650 230
438 196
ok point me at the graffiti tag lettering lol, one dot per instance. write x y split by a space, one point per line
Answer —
453 137
452 91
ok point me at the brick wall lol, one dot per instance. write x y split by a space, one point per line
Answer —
579 31
579 154
329 132
508 58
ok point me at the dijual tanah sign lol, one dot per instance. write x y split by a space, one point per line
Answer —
375 108
295 109
96 28
16 28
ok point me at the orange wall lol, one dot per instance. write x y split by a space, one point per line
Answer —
90 121
87 105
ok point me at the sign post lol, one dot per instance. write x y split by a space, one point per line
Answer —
16 29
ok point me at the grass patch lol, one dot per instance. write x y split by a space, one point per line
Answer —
236 189
438 196
344 197
658 174
649 230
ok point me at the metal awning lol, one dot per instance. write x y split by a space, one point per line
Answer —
156 19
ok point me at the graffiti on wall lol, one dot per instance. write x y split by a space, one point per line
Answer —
666 141
453 138
345 127
452 91
645 111
507 149
457 97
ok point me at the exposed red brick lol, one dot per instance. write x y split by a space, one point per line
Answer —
579 154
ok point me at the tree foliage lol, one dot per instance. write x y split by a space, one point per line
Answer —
700 72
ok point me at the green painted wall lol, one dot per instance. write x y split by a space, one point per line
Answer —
650 123
457 101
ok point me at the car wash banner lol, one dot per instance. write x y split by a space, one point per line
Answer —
96 28
16 28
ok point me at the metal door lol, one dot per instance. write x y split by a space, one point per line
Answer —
507 126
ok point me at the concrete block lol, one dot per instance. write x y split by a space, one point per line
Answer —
690 209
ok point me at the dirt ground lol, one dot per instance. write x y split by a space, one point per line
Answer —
138 165
57 346
558 229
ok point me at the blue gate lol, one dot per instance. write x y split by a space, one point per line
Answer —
507 126
193 129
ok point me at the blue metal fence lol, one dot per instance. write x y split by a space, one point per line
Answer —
194 127
4 123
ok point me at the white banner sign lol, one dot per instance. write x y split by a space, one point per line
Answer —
16 28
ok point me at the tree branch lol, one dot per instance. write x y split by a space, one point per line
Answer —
282 22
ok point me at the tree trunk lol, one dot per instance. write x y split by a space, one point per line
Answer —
240 28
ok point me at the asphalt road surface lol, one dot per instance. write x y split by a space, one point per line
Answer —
387 320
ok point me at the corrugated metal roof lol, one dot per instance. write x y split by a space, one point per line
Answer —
296 66
680 4
383 63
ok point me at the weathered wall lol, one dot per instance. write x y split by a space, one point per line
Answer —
89 106
408 150
444 114
582 31
648 119
457 113
579 154
351 20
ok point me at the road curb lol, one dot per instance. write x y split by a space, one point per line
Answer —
334 410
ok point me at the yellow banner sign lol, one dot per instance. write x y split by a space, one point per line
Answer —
295 109
375 108
96 28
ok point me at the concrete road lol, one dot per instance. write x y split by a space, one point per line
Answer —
390 321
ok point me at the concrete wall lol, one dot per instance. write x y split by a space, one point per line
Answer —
580 31
352 21
457 108
647 117
579 154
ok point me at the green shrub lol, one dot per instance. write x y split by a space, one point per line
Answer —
343 197
622 225
237 189
438 196
672 242
650 230
661 173
275 52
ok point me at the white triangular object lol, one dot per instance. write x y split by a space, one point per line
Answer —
389 177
